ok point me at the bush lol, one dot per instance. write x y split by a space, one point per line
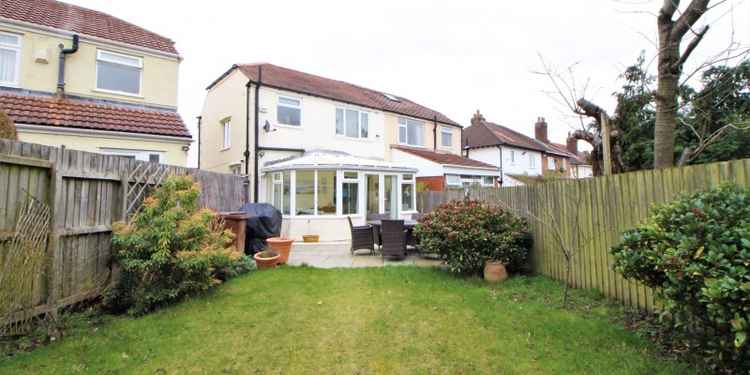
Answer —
468 233
7 127
695 252
170 250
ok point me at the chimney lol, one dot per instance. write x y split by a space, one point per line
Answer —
540 130
572 144
477 118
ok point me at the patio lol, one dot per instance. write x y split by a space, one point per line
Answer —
337 255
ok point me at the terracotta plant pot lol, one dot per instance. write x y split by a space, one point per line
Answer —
283 246
495 272
266 259
311 238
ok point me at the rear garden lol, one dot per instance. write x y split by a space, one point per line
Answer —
375 320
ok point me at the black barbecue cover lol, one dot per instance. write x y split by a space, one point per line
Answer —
264 222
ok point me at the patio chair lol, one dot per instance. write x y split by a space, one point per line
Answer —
376 231
362 237
394 239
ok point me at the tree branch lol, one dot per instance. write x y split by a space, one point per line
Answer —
691 46
688 18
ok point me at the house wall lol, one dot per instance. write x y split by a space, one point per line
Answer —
559 163
521 166
433 183
391 135
225 100
93 141
425 167
159 74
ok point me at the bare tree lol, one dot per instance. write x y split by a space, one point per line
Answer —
669 67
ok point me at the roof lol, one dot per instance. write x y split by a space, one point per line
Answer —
317 159
82 114
309 84
557 149
80 20
445 158
505 136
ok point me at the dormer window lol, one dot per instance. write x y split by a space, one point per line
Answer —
118 73
10 58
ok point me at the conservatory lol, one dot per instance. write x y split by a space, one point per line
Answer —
317 191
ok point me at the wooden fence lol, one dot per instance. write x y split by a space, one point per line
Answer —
86 193
603 208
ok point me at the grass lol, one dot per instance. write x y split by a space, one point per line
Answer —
360 321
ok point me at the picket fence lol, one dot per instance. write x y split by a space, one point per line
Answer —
601 209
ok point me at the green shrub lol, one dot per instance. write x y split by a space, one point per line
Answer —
468 233
695 252
7 127
170 250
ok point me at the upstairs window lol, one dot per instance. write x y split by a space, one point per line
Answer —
289 111
446 137
10 58
550 163
352 123
512 157
410 132
532 161
226 126
119 73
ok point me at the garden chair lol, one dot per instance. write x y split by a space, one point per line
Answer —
394 239
362 237
376 231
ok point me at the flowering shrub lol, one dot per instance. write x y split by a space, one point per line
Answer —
170 249
695 252
468 233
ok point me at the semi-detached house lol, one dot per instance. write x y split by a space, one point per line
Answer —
322 150
75 77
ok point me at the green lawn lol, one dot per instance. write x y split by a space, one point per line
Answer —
360 321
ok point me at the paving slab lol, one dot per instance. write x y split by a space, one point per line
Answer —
338 255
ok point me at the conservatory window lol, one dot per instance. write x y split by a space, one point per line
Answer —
407 192
305 193
281 192
350 193
326 193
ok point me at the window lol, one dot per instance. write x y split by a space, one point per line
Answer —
532 161
407 192
227 131
305 193
352 123
142 155
281 192
154 158
512 156
10 58
236 168
550 163
117 72
289 111
350 193
452 179
326 192
410 132
446 137
488 181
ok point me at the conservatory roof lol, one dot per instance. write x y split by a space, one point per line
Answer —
325 159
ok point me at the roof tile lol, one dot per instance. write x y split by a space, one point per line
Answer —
73 113
444 158
77 19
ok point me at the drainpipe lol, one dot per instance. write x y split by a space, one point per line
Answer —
246 153
257 147
199 141
502 176
61 64
434 132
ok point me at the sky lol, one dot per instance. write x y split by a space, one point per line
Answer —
455 57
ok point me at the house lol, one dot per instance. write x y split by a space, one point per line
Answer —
513 153
319 149
75 77
439 170
563 160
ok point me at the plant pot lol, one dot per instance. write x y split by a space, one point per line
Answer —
311 238
282 246
495 272
266 259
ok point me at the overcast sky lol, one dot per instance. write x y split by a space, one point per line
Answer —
455 57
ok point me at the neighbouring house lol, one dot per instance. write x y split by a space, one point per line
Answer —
439 170
561 159
319 149
514 154
75 77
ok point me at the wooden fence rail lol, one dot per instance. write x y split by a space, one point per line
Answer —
604 207
87 193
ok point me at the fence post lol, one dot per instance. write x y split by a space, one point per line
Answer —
54 263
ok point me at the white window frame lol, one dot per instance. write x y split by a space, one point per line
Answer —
226 128
492 183
457 182
513 156
360 113
550 163
299 107
340 191
17 49
411 181
277 178
142 155
532 161
139 65
403 122
444 130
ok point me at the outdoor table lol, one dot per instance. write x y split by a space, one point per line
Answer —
408 225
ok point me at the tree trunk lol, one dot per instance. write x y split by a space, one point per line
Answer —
666 97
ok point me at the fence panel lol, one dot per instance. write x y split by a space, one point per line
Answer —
604 208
